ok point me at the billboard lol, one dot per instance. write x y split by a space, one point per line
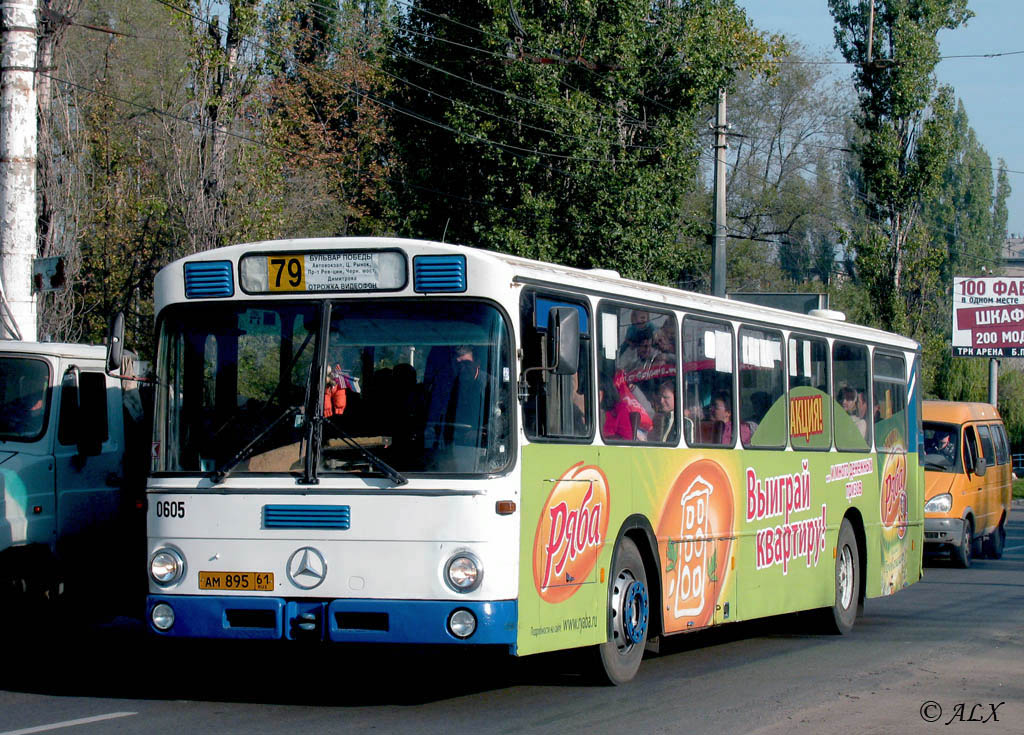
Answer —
988 317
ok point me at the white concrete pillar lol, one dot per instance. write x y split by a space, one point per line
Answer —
18 143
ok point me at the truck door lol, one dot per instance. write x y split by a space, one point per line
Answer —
88 456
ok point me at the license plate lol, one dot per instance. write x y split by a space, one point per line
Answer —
237 581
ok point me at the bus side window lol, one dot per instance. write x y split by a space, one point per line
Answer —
851 410
707 370
637 375
890 390
810 400
556 406
762 414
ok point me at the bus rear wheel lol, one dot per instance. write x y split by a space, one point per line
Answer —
629 614
840 617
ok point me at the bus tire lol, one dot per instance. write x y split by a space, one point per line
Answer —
839 618
628 615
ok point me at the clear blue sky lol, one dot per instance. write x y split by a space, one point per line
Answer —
992 89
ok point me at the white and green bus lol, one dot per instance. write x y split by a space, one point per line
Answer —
397 441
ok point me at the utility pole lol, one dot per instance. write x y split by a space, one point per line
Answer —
18 145
718 253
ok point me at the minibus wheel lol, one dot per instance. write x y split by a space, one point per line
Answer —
628 615
962 554
995 542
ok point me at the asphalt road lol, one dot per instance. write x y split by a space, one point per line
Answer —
944 655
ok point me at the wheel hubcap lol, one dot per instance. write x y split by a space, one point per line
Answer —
845 577
630 610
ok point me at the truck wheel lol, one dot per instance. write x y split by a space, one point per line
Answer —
995 542
962 554
628 613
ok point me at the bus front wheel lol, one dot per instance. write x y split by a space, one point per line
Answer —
629 613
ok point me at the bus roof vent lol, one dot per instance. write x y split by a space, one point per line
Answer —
209 279
836 316
439 273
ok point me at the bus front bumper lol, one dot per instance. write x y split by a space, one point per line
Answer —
340 621
943 531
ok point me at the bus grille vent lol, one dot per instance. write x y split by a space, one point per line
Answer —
306 516
208 280
439 273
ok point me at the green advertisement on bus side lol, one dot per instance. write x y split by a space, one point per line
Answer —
738 534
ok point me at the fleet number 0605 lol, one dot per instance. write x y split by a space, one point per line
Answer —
170 509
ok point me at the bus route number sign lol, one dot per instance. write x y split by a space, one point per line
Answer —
287 272
988 317
335 271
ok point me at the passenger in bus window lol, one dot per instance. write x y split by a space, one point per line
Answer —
619 403
665 342
848 400
862 407
637 353
664 421
721 414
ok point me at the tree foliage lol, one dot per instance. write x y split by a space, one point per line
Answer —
574 131
787 138
565 131
906 122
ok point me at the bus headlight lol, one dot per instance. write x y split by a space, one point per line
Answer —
162 616
463 572
166 566
462 624
939 504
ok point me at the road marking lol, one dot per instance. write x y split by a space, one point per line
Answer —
1008 548
68 723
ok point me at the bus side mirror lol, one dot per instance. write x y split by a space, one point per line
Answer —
115 344
980 467
564 339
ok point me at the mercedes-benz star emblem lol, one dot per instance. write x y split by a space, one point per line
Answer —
306 568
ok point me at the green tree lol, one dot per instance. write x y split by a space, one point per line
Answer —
565 131
328 105
786 139
907 127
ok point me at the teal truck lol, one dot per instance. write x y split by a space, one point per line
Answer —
72 463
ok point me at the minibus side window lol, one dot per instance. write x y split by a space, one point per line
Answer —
986 445
970 449
999 436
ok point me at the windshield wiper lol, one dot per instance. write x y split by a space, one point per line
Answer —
394 475
218 475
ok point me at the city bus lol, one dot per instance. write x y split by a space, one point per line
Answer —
394 441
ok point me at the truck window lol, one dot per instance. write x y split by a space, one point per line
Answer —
87 414
24 398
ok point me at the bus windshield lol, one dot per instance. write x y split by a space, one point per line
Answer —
424 386
421 386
